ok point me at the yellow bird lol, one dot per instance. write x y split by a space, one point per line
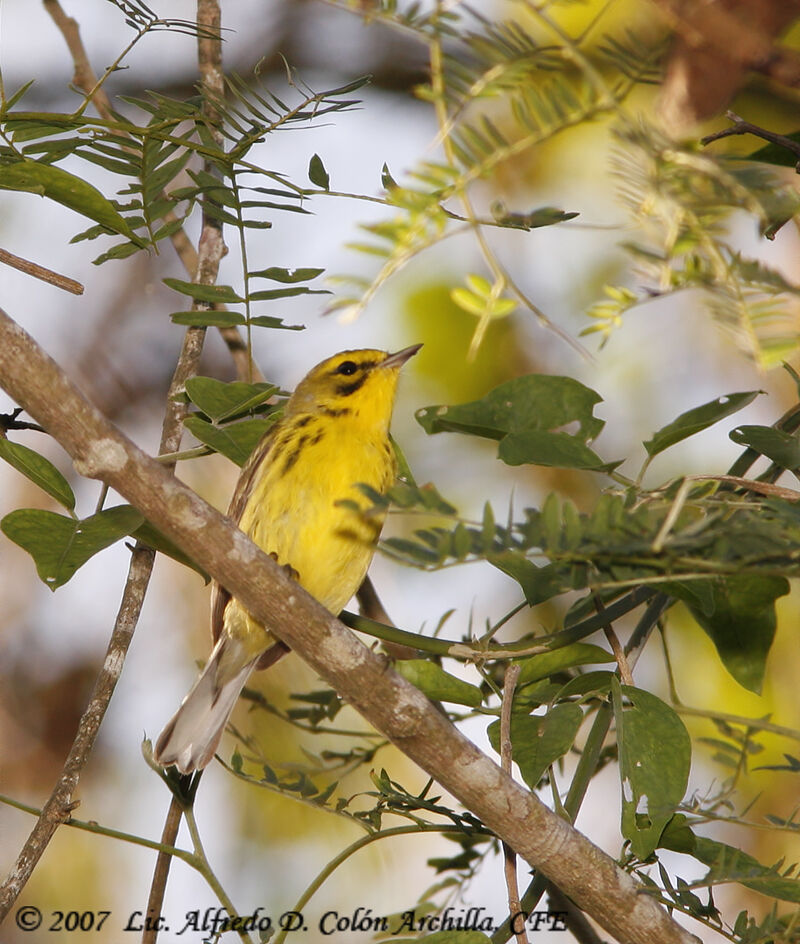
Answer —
334 434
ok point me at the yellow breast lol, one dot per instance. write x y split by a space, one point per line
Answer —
294 511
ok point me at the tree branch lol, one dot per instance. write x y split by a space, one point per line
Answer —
393 706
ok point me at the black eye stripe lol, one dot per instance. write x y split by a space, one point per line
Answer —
346 389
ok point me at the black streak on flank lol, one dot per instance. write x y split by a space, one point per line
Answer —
294 455
333 411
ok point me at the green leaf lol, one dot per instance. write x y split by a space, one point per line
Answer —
122 251
387 181
542 216
268 321
782 448
272 293
223 401
67 189
558 450
60 545
527 415
536 401
437 684
729 864
654 758
538 583
235 441
740 619
208 319
216 294
546 664
589 683
147 534
698 419
39 470
12 101
286 275
539 740
317 173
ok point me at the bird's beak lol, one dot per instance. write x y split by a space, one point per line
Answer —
398 359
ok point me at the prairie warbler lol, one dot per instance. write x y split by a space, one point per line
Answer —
333 435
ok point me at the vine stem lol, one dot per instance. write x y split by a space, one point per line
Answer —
354 847
509 856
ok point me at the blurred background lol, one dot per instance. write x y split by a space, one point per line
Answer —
118 343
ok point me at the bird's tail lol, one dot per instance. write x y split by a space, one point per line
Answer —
190 739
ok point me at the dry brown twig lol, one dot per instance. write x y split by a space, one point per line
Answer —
716 45
623 668
40 272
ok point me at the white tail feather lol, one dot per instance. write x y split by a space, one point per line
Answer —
190 739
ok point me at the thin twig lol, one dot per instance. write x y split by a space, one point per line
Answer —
84 77
212 249
40 272
616 646
60 803
740 126
509 856
9 421
158 886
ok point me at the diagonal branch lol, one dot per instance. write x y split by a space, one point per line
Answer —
393 706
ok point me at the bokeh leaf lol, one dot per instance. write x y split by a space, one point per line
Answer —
782 448
739 616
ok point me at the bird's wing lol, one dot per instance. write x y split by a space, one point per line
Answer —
219 595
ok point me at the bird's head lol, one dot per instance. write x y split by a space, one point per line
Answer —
357 384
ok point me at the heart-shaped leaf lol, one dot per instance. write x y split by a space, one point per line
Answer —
60 545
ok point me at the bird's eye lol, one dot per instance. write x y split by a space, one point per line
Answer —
347 368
